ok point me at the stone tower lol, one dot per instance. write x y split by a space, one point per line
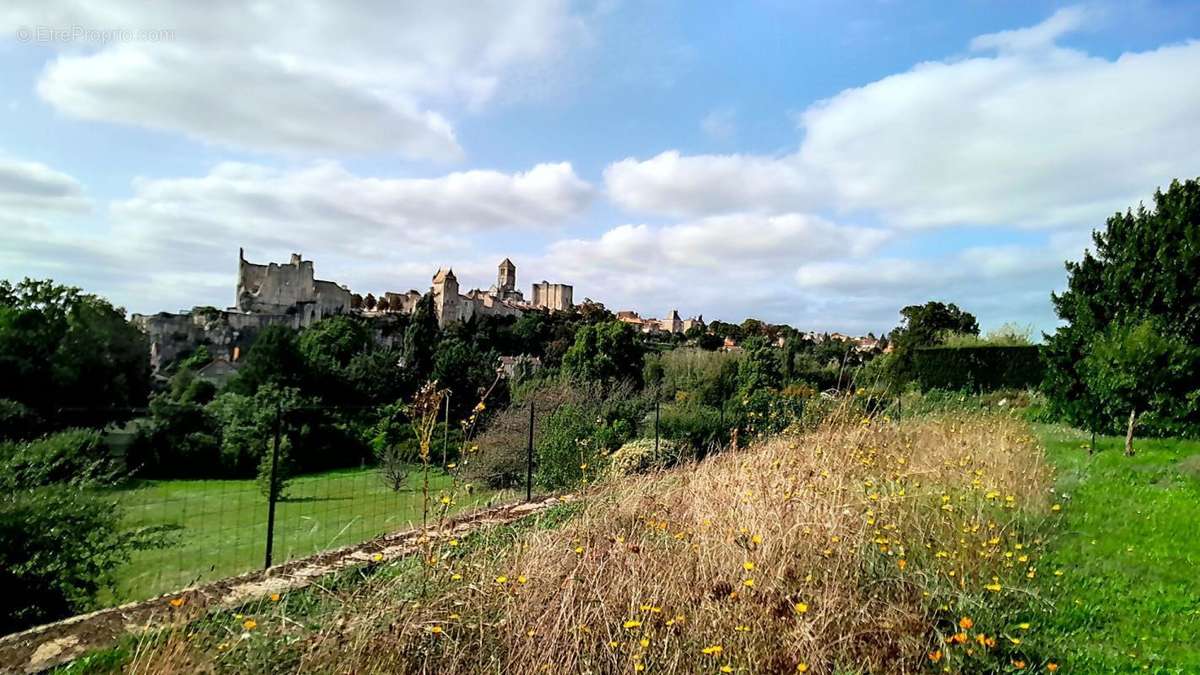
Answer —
506 278
446 300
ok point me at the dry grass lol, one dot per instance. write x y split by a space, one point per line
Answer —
858 547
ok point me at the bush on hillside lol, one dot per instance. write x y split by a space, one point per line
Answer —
698 427
75 456
640 456
58 548
978 368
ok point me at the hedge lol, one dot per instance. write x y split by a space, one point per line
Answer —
983 368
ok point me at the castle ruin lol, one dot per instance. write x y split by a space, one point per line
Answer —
289 294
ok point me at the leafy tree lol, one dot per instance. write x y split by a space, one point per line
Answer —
274 358
1144 267
725 330
327 348
464 371
606 353
247 425
277 465
1142 370
925 326
709 342
760 369
394 445
62 350
420 339
58 548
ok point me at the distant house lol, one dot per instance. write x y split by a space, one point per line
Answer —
514 366
219 371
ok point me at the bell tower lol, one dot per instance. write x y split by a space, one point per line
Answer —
506 277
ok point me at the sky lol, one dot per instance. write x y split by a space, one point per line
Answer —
820 164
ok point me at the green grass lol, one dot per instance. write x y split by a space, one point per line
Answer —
219 526
1129 549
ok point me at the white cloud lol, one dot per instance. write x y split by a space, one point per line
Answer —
723 243
298 77
34 187
163 245
730 265
999 283
328 210
706 184
720 124
1041 36
1035 136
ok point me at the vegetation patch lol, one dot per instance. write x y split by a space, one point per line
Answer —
1121 576
863 547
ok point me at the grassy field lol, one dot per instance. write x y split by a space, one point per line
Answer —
1128 599
219 526
905 541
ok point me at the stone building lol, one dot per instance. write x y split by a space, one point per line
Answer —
554 297
288 289
289 294
500 300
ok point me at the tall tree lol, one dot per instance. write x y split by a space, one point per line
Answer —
924 326
62 350
274 358
1143 268
420 339
605 352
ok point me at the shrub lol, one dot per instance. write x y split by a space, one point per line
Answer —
705 376
695 426
566 448
639 456
283 470
17 420
77 456
978 368
58 548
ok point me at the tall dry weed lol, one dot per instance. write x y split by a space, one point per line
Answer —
862 547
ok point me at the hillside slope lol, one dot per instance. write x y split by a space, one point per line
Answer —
864 547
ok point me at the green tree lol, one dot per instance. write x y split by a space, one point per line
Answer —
1143 267
1142 370
606 352
420 340
760 368
924 326
274 358
63 351
465 371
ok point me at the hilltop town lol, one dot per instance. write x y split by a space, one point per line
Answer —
289 294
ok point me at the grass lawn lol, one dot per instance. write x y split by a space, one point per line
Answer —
220 525
1129 549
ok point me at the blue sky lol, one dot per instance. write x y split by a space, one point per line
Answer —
815 163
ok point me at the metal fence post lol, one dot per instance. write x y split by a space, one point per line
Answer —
446 433
656 405
529 459
271 491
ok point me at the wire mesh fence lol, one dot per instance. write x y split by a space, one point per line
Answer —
220 527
